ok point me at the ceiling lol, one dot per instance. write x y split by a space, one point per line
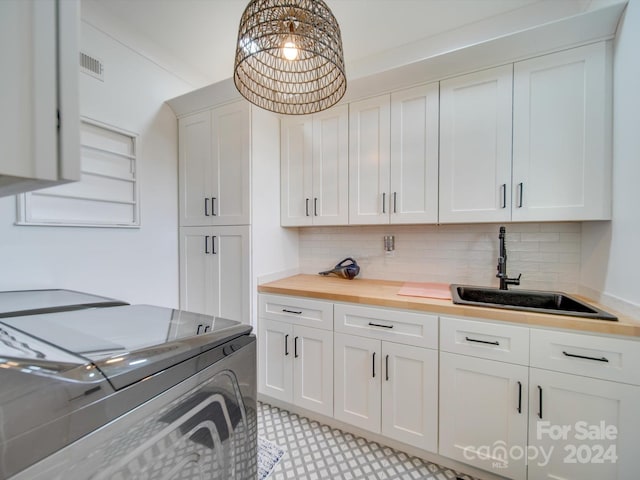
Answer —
201 34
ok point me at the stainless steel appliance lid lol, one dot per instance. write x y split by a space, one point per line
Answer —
129 343
32 302
17 346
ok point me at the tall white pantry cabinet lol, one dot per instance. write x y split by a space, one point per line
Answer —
214 191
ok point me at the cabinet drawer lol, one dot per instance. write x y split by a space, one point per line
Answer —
397 326
589 355
296 310
505 343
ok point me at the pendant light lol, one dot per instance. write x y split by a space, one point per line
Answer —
289 56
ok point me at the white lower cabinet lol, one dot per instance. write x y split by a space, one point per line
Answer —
504 409
483 413
357 388
295 351
522 403
582 428
387 388
410 395
296 365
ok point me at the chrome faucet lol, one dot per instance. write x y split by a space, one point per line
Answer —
505 281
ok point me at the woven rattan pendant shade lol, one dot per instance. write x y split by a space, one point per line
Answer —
314 80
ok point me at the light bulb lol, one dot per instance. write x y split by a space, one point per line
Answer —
290 50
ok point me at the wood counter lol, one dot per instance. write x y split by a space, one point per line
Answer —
384 293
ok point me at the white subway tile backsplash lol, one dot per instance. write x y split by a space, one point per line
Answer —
547 254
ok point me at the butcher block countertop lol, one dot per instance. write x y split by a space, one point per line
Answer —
384 293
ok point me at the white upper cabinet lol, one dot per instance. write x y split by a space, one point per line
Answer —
414 155
195 165
314 169
40 124
296 170
393 158
562 135
475 147
560 166
214 163
231 155
331 166
369 153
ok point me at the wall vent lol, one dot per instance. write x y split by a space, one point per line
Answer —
91 66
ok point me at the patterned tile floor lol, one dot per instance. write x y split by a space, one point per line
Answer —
315 451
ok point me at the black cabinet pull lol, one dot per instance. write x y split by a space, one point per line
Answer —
503 189
207 328
601 359
384 201
540 401
295 347
198 330
213 245
380 325
206 244
206 207
468 339
213 206
286 345
315 206
306 207
521 193
386 364
373 365
291 311
395 202
519 397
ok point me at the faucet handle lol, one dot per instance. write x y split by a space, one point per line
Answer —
514 281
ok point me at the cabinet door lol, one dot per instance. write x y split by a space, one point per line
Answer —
414 155
562 135
36 93
214 271
410 395
194 145
313 369
296 152
369 151
330 203
357 381
483 411
196 270
231 158
591 427
475 146
275 369
229 285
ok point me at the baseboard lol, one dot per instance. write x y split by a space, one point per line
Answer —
385 441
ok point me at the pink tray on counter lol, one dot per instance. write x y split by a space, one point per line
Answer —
426 289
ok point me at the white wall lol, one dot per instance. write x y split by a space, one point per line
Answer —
136 265
274 249
547 254
611 250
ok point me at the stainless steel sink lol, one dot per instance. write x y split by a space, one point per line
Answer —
557 303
